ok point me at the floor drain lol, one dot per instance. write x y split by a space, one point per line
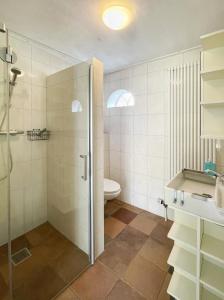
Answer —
20 256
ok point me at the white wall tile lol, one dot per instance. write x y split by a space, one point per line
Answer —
126 125
155 103
141 104
140 184
156 124
141 164
156 167
140 124
140 144
139 84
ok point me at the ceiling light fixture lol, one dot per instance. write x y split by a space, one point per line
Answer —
116 17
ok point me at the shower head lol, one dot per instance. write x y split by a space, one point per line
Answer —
16 72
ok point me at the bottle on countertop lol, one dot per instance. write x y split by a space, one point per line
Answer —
209 165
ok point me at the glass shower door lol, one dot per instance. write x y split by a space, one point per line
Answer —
4 174
50 223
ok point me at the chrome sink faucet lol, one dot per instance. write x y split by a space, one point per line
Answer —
219 175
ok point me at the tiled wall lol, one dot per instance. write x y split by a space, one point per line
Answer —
28 111
138 135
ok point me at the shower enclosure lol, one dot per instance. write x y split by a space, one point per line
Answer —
46 215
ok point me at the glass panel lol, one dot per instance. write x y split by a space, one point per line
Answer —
4 179
49 193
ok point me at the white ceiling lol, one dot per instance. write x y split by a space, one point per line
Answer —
160 27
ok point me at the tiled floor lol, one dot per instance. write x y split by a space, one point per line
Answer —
54 263
133 265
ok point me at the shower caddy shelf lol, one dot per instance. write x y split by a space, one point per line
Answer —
38 135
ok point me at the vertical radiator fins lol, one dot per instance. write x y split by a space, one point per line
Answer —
186 148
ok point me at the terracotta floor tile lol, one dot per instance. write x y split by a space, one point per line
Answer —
156 252
145 277
112 227
151 216
41 285
144 224
167 223
119 202
163 293
160 235
133 208
95 283
110 207
107 239
68 294
54 263
70 264
122 291
124 215
40 234
3 288
20 243
119 252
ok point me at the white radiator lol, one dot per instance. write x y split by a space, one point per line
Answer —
186 148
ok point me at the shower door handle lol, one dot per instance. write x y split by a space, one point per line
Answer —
85 157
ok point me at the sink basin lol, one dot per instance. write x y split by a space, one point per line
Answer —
194 191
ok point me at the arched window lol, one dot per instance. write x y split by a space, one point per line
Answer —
120 98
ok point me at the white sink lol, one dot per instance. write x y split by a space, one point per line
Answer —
185 191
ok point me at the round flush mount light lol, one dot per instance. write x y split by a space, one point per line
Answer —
116 17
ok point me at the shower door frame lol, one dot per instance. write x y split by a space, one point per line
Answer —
91 182
6 96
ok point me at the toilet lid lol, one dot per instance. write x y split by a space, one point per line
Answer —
111 186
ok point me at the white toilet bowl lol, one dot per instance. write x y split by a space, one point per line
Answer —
112 189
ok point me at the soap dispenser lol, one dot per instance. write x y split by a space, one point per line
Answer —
209 165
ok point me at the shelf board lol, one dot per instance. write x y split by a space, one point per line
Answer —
183 261
213 247
207 295
183 234
213 40
181 288
221 102
212 276
213 74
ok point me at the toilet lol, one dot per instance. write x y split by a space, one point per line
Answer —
112 189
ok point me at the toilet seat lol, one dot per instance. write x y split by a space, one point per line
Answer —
111 186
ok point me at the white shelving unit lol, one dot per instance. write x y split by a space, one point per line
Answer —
184 235
212 85
212 276
207 295
181 288
213 247
184 262
197 258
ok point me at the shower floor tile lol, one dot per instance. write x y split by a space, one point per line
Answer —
55 262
